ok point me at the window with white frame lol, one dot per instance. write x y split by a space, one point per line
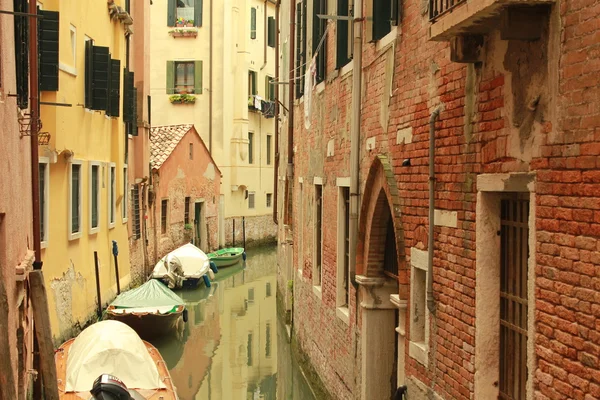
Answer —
44 180
75 191
125 200
269 200
73 33
112 195
251 197
343 243
419 314
94 194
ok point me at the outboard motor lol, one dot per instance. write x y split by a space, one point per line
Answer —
109 387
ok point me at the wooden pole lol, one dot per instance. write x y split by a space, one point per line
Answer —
98 283
244 231
234 232
115 251
43 333
7 381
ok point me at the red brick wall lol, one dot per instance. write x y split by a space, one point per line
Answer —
485 127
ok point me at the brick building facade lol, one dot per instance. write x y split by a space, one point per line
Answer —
516 210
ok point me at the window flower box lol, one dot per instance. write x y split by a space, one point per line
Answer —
182 99
176 33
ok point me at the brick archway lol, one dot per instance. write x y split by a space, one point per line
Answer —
381 298
381 201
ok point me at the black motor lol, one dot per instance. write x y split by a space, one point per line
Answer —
108 387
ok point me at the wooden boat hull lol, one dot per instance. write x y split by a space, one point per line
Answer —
149 325
227 258
168 393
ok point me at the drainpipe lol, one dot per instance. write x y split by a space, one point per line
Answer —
290 150
34 109
432 119
210 80
276 167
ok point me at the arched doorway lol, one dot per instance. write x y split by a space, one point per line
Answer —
380 272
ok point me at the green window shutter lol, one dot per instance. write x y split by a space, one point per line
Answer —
171 13
382 15
198 77
126 96
21 53
114 88
342 35
89 72
254 87
133 131
170 77
48 50
100 77
298 75
271 32
253 23
267 88
198 13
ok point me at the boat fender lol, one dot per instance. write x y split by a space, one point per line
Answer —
244 256
211 275
206 280
185 315
213 266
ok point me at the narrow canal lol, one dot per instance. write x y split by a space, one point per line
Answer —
234 346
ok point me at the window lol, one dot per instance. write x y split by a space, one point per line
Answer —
252 90
73 33
44 179
186 211
319 25
102 79
124 202
48 34
300 47
191 151
251 295
419 313
268 340
22 53
343 35
385 15
129 103
253 23
343 257
250 147
164 207
75 200
269 196
269 149
184 77
251 196
184 11
271 32
112 195
318 233
135 204
390 257
269 88
268 289
249 349
94 194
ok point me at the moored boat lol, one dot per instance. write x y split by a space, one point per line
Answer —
152 309
226 257
184 267
111 347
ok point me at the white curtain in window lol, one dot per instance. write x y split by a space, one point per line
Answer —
185 9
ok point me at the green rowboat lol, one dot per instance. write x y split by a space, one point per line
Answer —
227 257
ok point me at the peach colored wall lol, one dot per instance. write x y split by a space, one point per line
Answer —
15 203
180 177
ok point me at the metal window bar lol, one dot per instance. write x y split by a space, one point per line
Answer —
137 226
318 229
514 254
186 212
437 8
163 216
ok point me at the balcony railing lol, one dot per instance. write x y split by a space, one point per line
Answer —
438 8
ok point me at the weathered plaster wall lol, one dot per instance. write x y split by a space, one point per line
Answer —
16 236
178 178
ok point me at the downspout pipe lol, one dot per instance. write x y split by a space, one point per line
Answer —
276 167
290 144
432 119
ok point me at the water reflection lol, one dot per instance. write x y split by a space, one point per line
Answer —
228 347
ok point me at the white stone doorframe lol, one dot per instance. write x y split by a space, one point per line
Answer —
378 336
491 188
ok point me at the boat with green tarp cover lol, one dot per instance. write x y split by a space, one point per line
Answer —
151 309
228 256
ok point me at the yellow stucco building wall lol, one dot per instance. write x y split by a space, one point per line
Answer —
85 136
235 52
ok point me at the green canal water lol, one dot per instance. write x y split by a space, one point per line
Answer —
234 346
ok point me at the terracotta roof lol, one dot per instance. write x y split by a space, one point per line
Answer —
163 140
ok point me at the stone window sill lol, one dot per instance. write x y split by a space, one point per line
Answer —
419 352
344 314
318 291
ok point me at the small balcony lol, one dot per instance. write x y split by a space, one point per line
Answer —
518 18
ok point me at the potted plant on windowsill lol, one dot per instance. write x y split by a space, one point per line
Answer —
190 23
180 22
182 99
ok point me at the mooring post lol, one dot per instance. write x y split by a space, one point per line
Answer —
115 251
233 232
98 283
244 231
